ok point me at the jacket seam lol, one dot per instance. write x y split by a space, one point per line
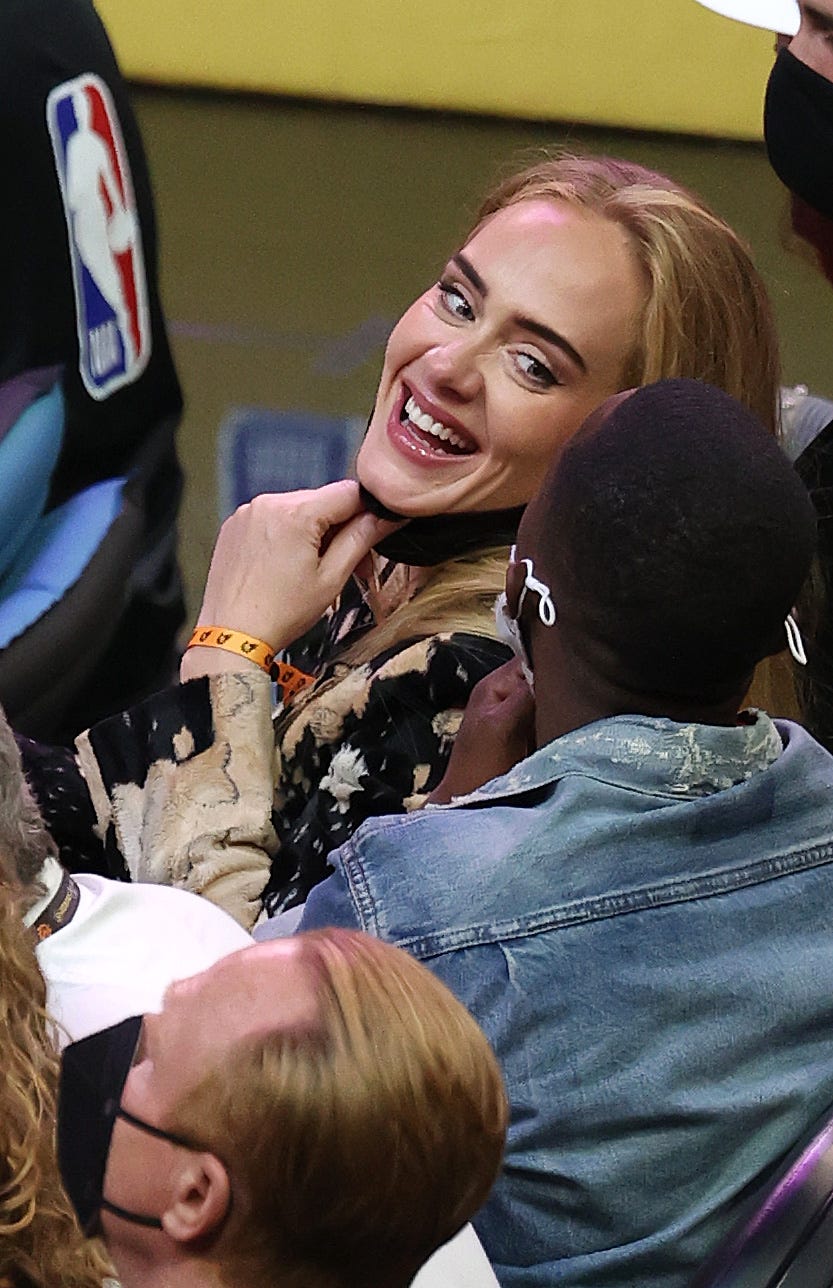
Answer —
606 907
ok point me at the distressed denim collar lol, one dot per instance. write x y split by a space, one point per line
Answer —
646 754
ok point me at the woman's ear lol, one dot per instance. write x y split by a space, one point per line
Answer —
200 1199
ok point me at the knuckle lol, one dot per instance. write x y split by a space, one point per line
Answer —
261 503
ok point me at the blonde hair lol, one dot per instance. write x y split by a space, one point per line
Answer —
40 1243
361 1142
707 316
458 595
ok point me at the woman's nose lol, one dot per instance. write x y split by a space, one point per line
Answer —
455 368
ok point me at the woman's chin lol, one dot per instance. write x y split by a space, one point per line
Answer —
407 501
399 497
403 507
406 493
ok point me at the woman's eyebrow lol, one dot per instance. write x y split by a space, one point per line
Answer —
554 337
527 324
468 270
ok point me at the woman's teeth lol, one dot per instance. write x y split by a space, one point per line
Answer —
428 425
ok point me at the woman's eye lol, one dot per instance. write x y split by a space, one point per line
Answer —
454 301
536 371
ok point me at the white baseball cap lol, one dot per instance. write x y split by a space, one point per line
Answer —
782 16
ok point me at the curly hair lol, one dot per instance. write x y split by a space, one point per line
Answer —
40 1243
25 842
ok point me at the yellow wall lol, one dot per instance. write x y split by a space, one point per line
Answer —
655 64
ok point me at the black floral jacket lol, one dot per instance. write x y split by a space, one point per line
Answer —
200 787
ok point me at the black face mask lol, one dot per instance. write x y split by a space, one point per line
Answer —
93 1074
431 540
798 128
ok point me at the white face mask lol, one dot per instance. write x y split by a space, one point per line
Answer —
508 629
509 633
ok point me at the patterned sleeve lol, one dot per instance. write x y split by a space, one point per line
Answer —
379 746
190 788
182 786
58 786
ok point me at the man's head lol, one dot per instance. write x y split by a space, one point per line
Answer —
25 843
344 1116
674 537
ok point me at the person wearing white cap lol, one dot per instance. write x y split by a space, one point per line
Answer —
783 16
798 129
798 113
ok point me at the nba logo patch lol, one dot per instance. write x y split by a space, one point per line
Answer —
105 240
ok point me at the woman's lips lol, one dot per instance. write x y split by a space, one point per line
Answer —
417 433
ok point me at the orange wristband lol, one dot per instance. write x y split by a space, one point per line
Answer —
291 680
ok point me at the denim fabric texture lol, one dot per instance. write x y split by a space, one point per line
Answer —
640 915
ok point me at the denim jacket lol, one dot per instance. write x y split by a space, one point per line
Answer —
640 916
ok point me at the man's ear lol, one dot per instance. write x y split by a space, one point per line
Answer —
200 1199
515 574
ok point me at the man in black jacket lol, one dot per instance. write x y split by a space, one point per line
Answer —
79 292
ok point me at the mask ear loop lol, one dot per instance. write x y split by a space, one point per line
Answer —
546 608
794 641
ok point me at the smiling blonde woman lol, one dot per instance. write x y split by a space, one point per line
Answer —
581 276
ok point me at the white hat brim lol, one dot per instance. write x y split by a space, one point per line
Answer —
775 15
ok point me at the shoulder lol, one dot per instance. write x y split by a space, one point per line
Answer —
76 40
461 657
159 912
124 947
436 870
461 1263
417 677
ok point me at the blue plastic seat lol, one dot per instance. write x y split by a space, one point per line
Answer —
786 1239
261 450
28 453
57 549
63 574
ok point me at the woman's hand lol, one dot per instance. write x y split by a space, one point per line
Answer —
498 731
278 563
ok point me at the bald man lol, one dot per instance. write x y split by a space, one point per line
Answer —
318 1111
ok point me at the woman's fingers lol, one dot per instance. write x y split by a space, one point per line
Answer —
351 544
282 559
325 507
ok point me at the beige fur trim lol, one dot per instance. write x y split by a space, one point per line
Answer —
204 824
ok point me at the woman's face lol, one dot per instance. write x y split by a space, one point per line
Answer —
492 369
